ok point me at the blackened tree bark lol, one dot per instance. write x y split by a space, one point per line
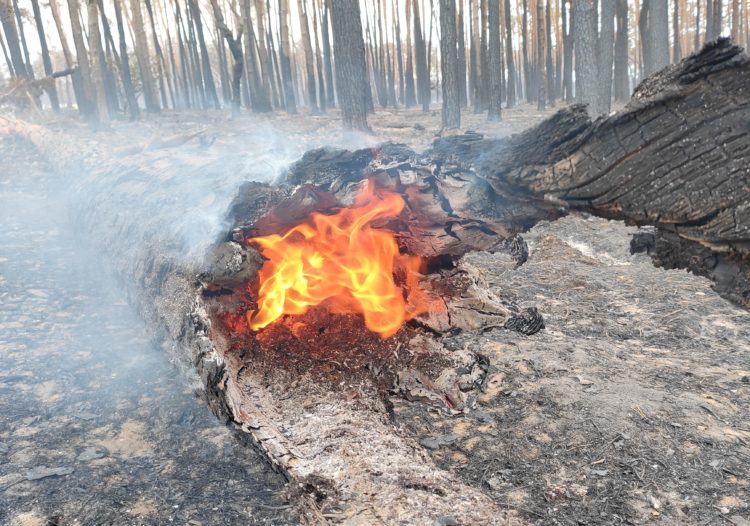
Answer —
622 82
606 52
449 65
495 96
52 90
541 70
483 78
474 54
710 35
736 22
349 51
509 60
697 34
268 86
585 54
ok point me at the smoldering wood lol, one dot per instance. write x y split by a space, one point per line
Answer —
345 460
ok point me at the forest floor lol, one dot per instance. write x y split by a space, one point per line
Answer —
630 407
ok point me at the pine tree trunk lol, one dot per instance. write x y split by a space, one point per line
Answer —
677 47
322 97
550 67
462 92
399 55
606 51
659 33
8 61
144 60
11 34
327 56
52 90
718 18
160 62
84 71
483 76
266 76
473 54
585 55
97 68
285 58
423 83
710 36
312 95
494 95
622 83
349 50
525 51
449 65
22 39
127 82
541 70
110 60
509 60
208 77
568 44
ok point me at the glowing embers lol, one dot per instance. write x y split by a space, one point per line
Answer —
346 261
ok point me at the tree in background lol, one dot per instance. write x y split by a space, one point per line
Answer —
449 64
349 53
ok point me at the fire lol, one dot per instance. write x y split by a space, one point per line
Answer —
343 260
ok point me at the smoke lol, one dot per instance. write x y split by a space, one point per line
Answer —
174 200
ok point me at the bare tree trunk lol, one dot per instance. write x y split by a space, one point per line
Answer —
8 60
568 44
349 49
423 81
449 65
509 60
659 33
208 78
399 54
697 35
144 60
127 82
97 68
266 76
11 35
550 67
525 51
285 57
677 47
327 56
410 91
710 35
494 95
718 18
462 92
235 47
322 97
621 84
312 96
52 90
606 45
160 62
110 60
22 38
483 76
585 55
84 71
541 70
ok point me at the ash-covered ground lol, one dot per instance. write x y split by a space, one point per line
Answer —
630 407
96 426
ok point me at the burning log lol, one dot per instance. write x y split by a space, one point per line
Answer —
314 386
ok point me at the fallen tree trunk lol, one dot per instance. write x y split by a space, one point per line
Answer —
324 421
676 157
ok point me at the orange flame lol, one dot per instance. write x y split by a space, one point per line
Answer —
341 259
